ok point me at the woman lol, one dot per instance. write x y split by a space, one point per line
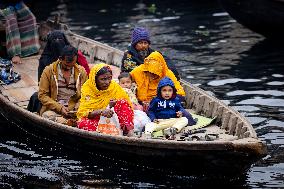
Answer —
148 75
56 40
99 92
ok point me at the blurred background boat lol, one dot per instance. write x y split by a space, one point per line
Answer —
262 16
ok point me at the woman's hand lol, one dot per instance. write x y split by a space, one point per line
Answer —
107 113
112 103
179 114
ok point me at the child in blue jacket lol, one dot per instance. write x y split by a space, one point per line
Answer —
166 110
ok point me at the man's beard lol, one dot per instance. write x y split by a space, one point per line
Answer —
143 54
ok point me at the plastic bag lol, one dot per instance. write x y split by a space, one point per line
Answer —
140 120
109 126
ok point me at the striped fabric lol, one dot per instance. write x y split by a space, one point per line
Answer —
21 31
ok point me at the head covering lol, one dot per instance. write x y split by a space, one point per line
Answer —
147 87
156 64
93 99
166 81
139 34
56 40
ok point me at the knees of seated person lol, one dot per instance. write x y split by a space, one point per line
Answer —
53 116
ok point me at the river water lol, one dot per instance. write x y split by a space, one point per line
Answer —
210 49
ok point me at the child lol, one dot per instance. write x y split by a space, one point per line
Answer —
125 82
166 110
140 117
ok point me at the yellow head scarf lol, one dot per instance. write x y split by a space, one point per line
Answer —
146 86
156 64
93 99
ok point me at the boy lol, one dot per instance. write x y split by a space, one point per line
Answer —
165 110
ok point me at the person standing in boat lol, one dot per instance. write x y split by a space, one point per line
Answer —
166 110
21 30
139 49
148 75
99 94
60 86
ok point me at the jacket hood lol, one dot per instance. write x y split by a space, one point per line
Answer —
166 81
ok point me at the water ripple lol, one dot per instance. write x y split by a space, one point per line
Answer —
230 81
259 92
263 102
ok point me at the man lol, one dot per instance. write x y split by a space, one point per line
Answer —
21 30
139 50
60 86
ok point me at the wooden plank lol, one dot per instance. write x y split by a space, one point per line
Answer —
23 104
218 113
215 109
225 119
200 105
208 107
116 59
19 94
243 130
102 54
88 50
232 125
239 127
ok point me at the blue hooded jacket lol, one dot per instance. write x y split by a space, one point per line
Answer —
160 108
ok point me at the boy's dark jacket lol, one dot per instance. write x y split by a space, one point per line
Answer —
160 108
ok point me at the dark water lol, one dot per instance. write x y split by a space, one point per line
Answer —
210 49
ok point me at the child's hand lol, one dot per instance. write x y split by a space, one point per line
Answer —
179 114
112 103
156 121
145 105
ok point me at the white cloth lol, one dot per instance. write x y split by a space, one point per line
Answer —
178 123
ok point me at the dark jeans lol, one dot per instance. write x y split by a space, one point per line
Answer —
34 103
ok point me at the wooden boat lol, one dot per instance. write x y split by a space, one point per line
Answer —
262 16
233 152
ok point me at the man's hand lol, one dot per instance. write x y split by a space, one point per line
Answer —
64 111
179 114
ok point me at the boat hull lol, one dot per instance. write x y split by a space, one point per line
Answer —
206 157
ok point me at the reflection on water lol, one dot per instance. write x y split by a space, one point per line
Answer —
209 48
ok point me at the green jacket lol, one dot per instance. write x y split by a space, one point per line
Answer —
48 88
